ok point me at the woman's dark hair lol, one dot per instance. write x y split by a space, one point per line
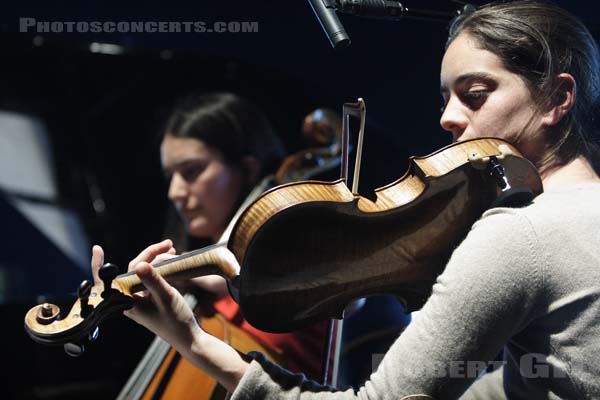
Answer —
229 124
234 127
538 41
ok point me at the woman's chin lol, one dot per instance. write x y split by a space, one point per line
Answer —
199 229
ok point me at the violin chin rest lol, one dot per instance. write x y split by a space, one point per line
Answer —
518 196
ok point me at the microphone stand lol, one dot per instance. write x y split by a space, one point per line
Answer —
391 10
325 11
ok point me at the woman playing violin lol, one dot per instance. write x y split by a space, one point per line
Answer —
524 281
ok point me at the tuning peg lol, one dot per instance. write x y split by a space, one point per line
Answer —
74 349
47 313
107 273
83 292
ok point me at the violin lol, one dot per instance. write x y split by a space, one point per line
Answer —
310 248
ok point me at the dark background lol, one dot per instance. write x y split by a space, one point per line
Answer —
103 113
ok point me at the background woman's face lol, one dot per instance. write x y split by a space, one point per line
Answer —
482 98
203 187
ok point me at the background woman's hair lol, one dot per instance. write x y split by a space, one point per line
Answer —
538 41
229 124
234 127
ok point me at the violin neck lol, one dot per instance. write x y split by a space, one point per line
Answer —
212 260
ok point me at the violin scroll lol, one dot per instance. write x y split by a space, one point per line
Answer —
45 324
322 130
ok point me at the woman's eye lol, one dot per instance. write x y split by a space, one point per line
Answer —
191 173
477 94
474 98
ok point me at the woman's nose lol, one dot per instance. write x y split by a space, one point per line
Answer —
178 188
454 118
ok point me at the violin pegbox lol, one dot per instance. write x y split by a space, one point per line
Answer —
111 294
45 324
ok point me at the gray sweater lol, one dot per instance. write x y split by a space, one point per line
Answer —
526 280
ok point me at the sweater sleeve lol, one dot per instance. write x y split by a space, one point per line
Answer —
487 293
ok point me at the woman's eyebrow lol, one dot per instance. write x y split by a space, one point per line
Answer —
182 163
467 77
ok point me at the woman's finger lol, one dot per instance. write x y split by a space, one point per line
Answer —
150 252
144 307
158 288
97 262
163 257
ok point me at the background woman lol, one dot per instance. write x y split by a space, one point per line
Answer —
218 152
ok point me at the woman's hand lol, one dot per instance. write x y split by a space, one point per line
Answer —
162 310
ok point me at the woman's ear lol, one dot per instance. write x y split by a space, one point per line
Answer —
251 167
563 101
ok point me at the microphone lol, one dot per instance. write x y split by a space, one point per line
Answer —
325 12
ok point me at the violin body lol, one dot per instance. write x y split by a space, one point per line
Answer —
309 249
